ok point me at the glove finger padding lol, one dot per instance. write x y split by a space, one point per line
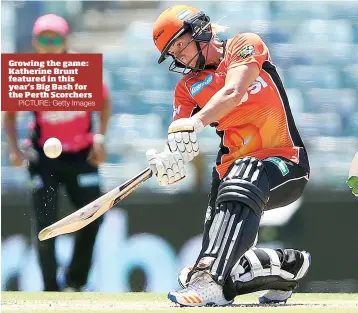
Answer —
165 160
195 143
170 158
180 163
161 171
185 137
176 168
157 166
167 166
186 143
151 158
179 142
182 137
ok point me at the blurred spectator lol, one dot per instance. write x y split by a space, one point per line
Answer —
76 167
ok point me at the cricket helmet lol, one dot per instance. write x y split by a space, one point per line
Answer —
175 22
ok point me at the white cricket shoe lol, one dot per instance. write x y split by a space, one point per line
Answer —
202 290
278 296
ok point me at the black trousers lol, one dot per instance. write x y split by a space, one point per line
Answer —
287 182
81 181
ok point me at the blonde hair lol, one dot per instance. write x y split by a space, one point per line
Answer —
216 28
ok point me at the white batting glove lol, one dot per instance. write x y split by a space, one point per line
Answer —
167 166
182 137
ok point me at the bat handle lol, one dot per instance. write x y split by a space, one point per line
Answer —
148 172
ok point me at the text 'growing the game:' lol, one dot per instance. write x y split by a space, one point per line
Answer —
40 82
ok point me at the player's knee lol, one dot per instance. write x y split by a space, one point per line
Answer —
246 182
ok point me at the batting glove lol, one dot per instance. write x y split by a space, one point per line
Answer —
182 137
167 166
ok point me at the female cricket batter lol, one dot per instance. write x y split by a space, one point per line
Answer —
262 163
76 168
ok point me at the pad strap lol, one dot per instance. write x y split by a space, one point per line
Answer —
274 260
255 266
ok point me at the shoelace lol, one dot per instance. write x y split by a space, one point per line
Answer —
195 284
192 282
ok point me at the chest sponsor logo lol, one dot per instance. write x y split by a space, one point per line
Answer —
197 87
255 88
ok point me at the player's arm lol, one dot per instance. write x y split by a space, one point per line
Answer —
168 166
238 80
16 155
246 54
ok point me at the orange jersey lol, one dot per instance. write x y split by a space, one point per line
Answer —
262 124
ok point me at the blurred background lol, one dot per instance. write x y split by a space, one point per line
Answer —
152 234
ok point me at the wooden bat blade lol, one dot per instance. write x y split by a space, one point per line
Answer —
95 209
77 220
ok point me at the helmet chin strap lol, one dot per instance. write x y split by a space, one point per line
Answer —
199 66
200 63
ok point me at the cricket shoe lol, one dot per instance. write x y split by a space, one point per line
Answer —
281 296
202 290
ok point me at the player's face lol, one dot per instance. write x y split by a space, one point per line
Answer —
50 42
184 50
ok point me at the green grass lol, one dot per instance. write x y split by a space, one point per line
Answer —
144 296
206 310
89 296
15 302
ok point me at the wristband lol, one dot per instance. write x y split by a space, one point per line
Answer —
98 138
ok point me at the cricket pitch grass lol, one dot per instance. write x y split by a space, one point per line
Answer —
137 302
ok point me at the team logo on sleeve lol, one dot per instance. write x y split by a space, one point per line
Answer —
197 87
246 51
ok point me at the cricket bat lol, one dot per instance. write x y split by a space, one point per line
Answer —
95 209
